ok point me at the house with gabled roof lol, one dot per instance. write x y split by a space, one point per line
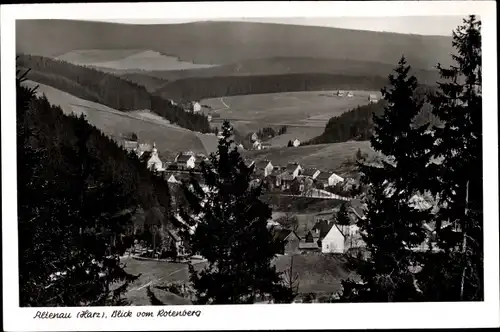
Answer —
327 179
311 172
288 239
185 160
263 168
284 180
294 169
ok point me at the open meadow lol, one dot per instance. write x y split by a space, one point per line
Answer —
305 113
327 157
148 126
319 274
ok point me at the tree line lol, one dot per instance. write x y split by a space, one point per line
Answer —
107 89
198 88
357 124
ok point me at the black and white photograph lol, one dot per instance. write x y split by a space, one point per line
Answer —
180 163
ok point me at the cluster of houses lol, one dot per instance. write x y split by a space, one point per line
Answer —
292 176
327 236
372 98
276 177
257 144
341 93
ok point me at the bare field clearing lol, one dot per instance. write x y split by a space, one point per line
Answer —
148 126
301 109
128 59
322 156
317 273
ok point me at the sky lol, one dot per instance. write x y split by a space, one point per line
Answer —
420 25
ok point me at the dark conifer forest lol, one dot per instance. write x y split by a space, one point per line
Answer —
77 190
357 124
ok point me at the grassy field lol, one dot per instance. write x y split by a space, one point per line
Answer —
149 127
155 273
317 274
308 109
322 156
126 59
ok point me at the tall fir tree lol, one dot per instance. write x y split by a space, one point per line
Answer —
393 227
342 215
458 179
231 232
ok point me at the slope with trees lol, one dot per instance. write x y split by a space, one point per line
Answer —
357 124
77 193
107 89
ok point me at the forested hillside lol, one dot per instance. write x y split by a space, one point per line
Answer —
107 89
77 191
209 87
274 66
357 124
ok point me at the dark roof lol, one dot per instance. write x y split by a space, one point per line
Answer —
286 176
309 171
323 176
280 234
261 163
291 167
324 227
183 158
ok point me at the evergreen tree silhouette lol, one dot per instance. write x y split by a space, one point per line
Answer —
392 226
458 179
231 232
342 216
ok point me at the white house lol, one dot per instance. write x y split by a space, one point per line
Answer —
257 145
328 179
340 93
333 179
296 143
254 137
196 107
294 169
341 238
186 160
372 98
350 95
